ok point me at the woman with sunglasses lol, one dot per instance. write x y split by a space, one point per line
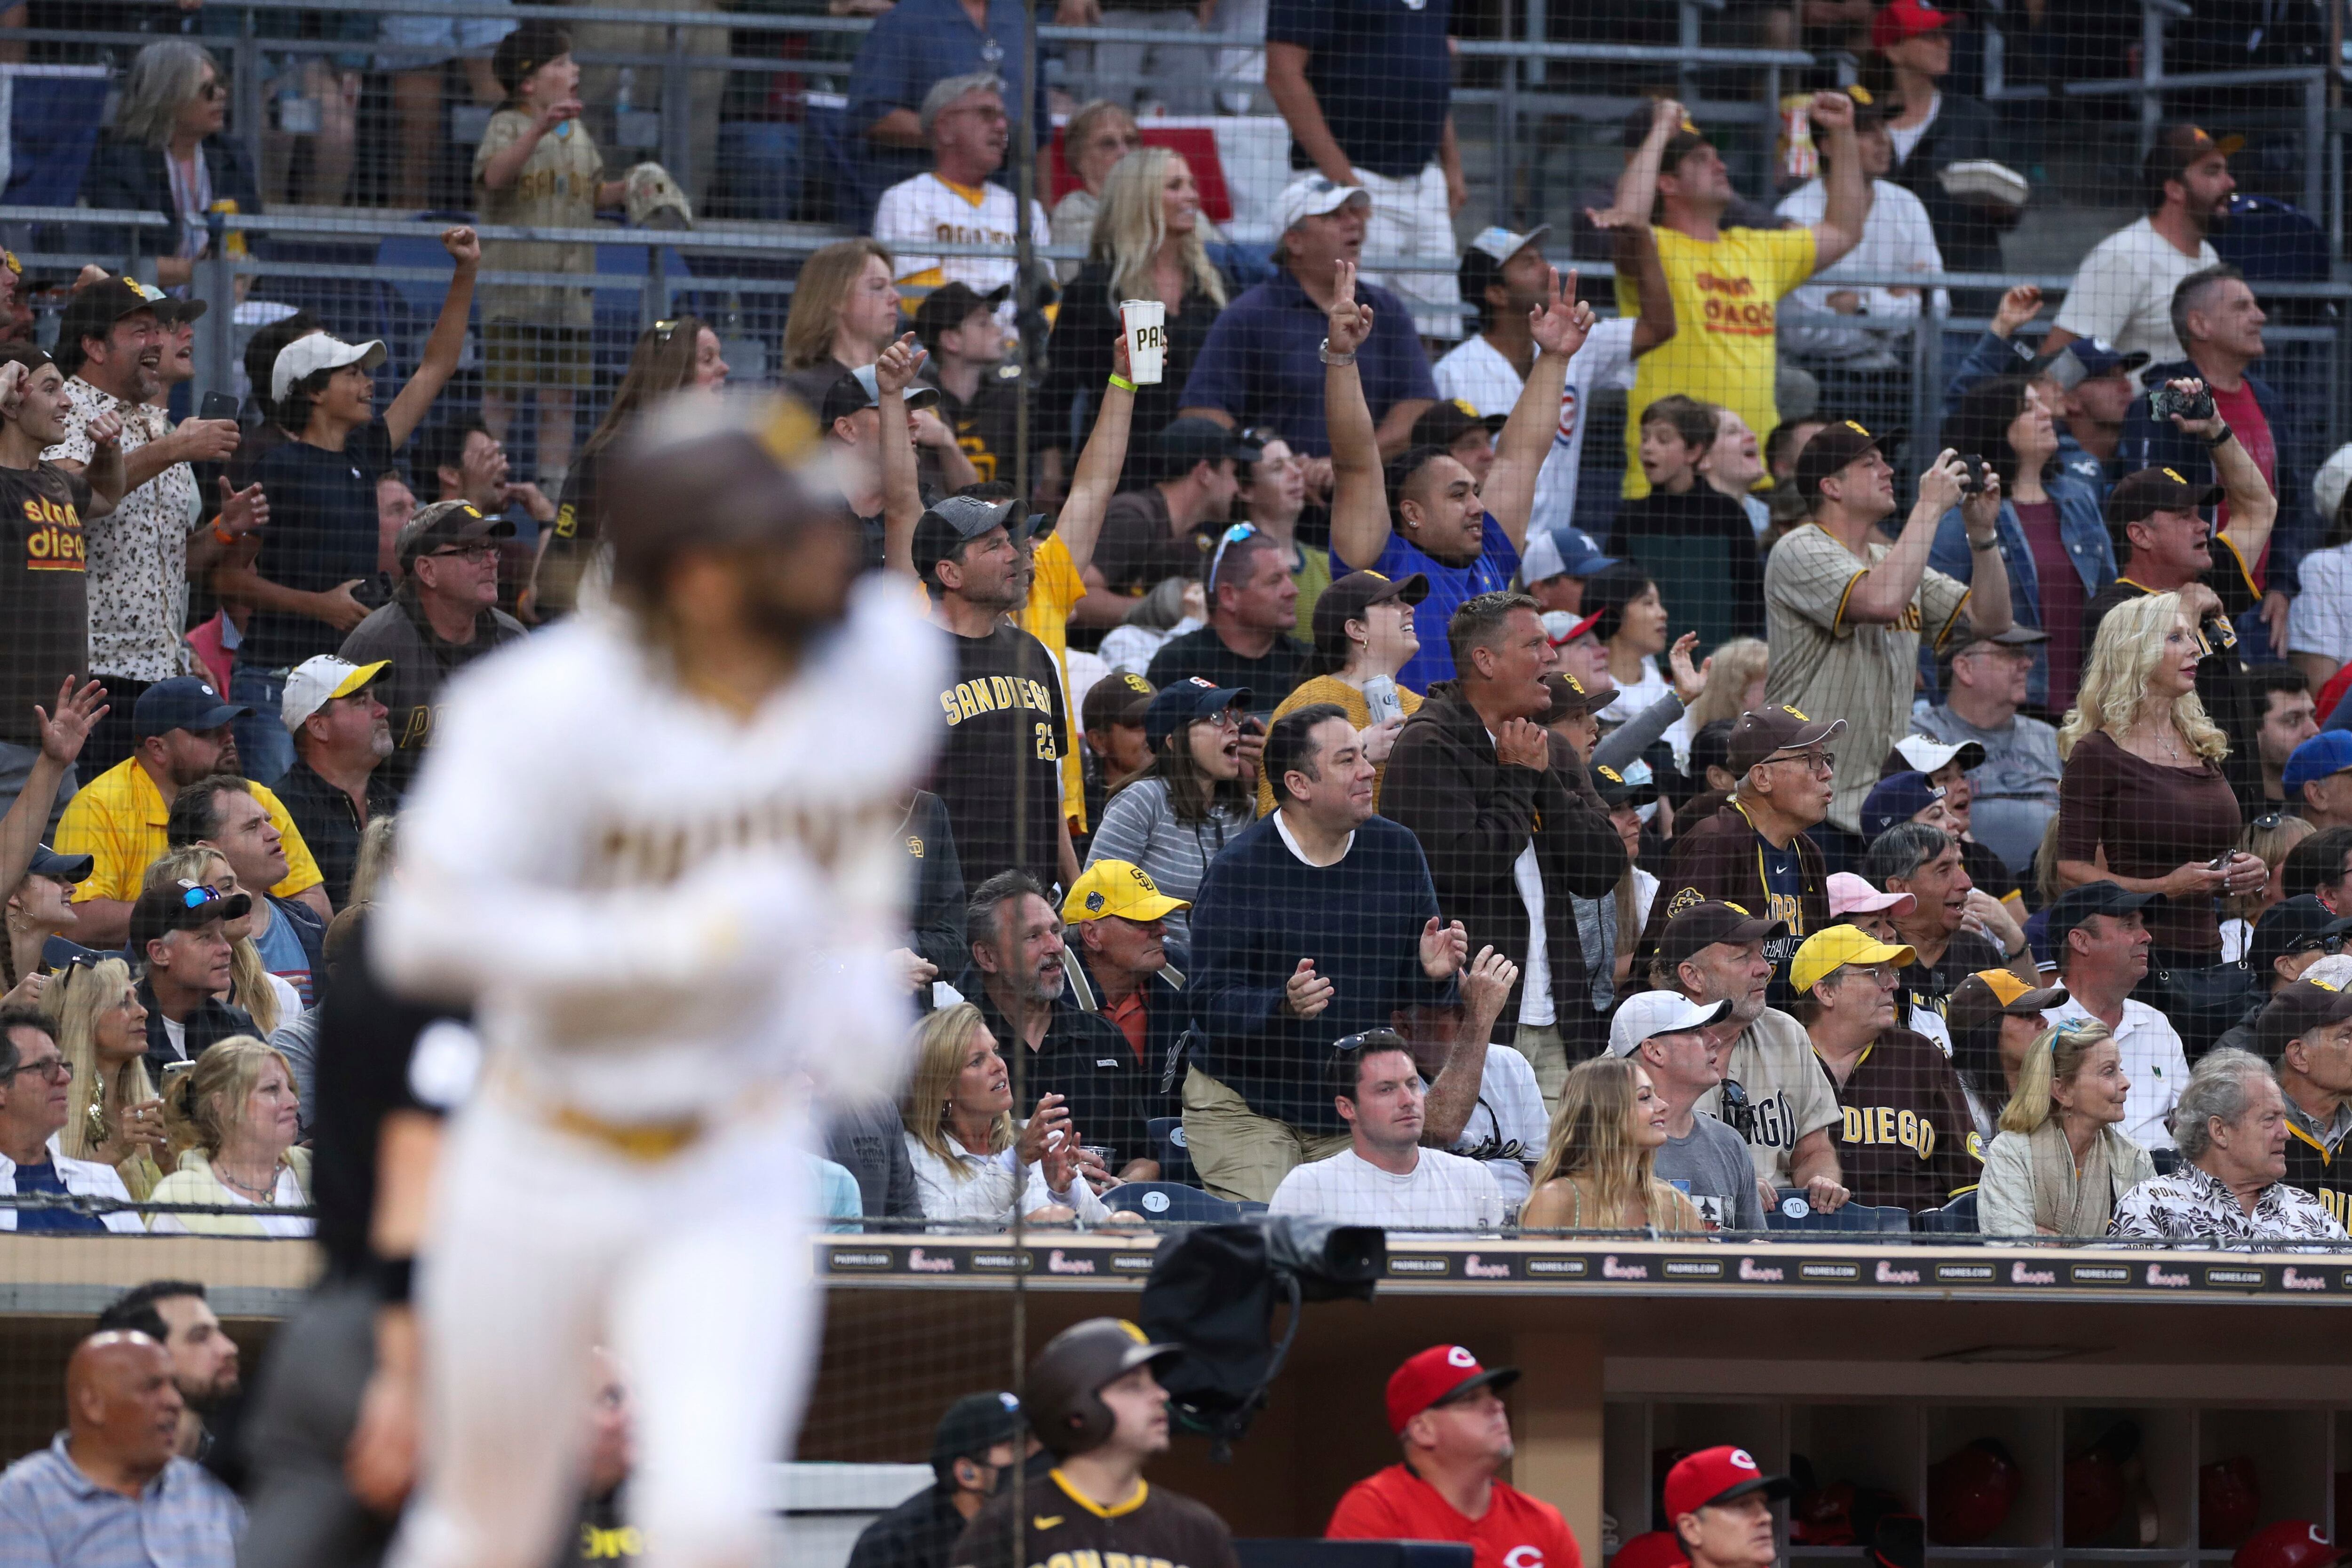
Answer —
2062 1162
1174 817
1364 634
117 1117
1597 1170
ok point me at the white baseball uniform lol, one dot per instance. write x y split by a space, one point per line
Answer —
671 925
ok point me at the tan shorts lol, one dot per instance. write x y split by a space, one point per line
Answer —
1240 1154
518 356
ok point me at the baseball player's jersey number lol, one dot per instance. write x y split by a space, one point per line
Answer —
1046 751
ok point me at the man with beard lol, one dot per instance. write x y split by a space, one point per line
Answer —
1020 978
175 1315
342 735
110 346
2122 294
121 817
999 773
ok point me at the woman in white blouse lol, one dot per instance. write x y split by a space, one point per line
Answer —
233 1117
971 1162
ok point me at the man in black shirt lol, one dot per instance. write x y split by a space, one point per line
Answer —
1020 978
977 1441
999 773
1168 528
979 392
1253 605
852 424
1954 930
342 735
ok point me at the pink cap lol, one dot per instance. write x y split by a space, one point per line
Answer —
1849 895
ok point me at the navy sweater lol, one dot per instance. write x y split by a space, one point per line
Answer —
1259 911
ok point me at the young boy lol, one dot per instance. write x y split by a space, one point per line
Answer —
538 166
1718 587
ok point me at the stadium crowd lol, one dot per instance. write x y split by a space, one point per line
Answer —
1323 818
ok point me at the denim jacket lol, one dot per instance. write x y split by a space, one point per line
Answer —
2080 525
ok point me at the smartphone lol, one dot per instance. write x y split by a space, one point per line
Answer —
219 405
2218 862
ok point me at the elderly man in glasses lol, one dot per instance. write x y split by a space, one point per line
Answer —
36 1097
442 616
1384 1177
1906 1138
176 930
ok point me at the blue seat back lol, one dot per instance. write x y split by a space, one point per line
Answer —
53 124
1172 1201
1956 1218
1169 1149
1793 1211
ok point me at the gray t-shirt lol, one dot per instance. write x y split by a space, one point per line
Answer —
2015 790
1711 1167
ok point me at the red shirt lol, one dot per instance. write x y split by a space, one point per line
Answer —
1519 1531
2245 417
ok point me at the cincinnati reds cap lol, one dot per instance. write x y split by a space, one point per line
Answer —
1715 1475
1437 1374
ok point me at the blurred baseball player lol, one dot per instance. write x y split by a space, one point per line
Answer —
653 848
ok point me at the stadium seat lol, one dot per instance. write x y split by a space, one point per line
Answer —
1172 1201
1169 1147
1793 1212
1955 1218
54 114
1310 1554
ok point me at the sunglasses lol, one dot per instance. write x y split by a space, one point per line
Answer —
1232 536
196 895
664 330
1371 1039
482 551
2267 822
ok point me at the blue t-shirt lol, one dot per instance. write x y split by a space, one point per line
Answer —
1261 364
43 1177
1450 587
914 47
1381 72
283 955
322 533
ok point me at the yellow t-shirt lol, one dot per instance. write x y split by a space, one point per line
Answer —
119 821
1046 617
1725 344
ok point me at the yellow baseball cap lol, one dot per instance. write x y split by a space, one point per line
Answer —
1120 888
1834 948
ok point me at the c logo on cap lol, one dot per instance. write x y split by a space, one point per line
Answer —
1740 1460
1456 1357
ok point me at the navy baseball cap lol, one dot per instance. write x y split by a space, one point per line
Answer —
2087 360
47 861
184 702
973 1425
2292 925
1178 702
1897 798
2077 904
2323 756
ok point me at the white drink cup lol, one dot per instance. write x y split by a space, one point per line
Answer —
1145 322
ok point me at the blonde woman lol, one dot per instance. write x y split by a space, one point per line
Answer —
2143 801
267 1000
2269 838
116 1117
971 1162
2062 1162
1147 245
1596 1173
378 841
1733 675
233 1119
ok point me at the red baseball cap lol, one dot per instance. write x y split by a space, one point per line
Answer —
1715 1475
1904 19
1658 1549
1441 1372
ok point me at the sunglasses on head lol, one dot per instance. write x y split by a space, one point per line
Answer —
1371 1039
1232 536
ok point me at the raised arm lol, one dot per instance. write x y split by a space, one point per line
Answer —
1990 611
1359 498
1635 252
1883 594
1559 323
63 731
1095 479
445 346
1847 189
105 474
1486 983
902 493
2252 508
1637 185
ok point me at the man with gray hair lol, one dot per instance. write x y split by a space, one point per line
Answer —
1956 928
965 124
2230 1126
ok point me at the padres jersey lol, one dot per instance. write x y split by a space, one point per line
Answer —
654 905
2320 1167
1905 1137
1862 673
927 210
1156 1528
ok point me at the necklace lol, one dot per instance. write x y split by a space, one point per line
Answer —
267 1192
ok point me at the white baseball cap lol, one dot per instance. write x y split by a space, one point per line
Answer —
1925 754
2327 486
1310 196
309 356
316 682
1647 1014
1500 244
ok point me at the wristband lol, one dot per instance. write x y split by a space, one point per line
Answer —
394 1277
1331 359
1121 383
2218 442
225 538
1992 544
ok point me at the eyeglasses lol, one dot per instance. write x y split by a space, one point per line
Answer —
56 1068
1883 974
1821 762
1231 718
214 90
1232 536
475 552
